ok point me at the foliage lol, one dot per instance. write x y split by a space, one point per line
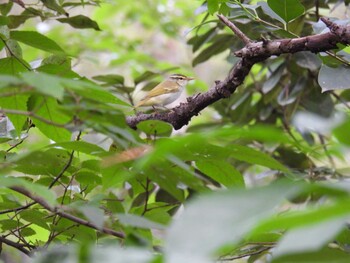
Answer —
261 175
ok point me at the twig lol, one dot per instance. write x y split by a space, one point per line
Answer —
56 234
56 218
145 209
15 145
17 208
58 211
64 169
21 238
235 29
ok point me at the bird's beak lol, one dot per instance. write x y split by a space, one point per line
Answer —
189 78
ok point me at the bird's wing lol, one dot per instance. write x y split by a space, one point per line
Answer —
159 89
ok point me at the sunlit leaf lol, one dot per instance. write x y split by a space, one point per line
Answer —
213 6
36 40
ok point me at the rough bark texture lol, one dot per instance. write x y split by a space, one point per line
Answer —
252 53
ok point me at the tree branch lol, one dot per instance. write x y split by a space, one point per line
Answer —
252 53
16 245
33 115
58 211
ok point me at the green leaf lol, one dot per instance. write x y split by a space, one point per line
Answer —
213 6
3 22
155 127
49 162
221 171
35 217
14 49
53 5
26 232
6 8
89 90
342 133
12 66
296 219
94 214
8 224
17 103
36 40
80 21
250 155
288 10
110 79
45 84
268 11
138 221
80 146
47 108
325 255
334 78
147 75
198 41
62 70
16 21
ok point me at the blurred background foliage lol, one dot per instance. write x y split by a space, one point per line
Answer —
262 176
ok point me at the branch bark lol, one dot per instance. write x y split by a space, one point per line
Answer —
252 53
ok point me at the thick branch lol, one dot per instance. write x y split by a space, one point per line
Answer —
61 213
252 53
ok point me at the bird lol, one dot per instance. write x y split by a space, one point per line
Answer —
165 92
